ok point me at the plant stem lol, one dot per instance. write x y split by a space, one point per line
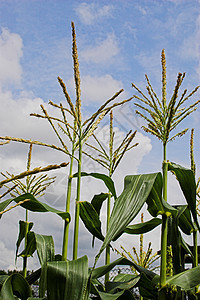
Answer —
164 224
107 260
195 251
77 208
25 258
66 224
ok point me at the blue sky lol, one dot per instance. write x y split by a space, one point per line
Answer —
118 43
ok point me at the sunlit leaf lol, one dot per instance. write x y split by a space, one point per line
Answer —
187 183
67 279
136 191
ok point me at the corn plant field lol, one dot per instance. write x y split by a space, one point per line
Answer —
61 278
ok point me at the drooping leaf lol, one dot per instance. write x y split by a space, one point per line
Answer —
106 179
141 228
98 200
16 285
122 261
186 247
37 206
68 279
91 219
113 286
187 183
186 280
22 233
30 247
156 204
136 191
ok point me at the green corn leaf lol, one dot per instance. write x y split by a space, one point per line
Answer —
184 219
122 277
45 250
136 191
30 247
37 206
113 286
68 279
185 280
123 295
187 183
91 219
34 276
107 180
147 288
98 200
4 204
156 204
186 247
2 279
22 233
16 285
122 261
141 228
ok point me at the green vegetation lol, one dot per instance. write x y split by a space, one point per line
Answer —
60 278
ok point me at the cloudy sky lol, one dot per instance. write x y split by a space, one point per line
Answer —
118 43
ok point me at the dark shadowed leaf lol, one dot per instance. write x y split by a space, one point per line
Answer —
16 285
22 233
98 200
91 219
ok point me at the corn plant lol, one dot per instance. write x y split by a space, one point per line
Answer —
110 159
162 118
77 134
36 186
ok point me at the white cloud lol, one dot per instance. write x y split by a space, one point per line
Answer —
103 52
97 89
88 13
10 54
